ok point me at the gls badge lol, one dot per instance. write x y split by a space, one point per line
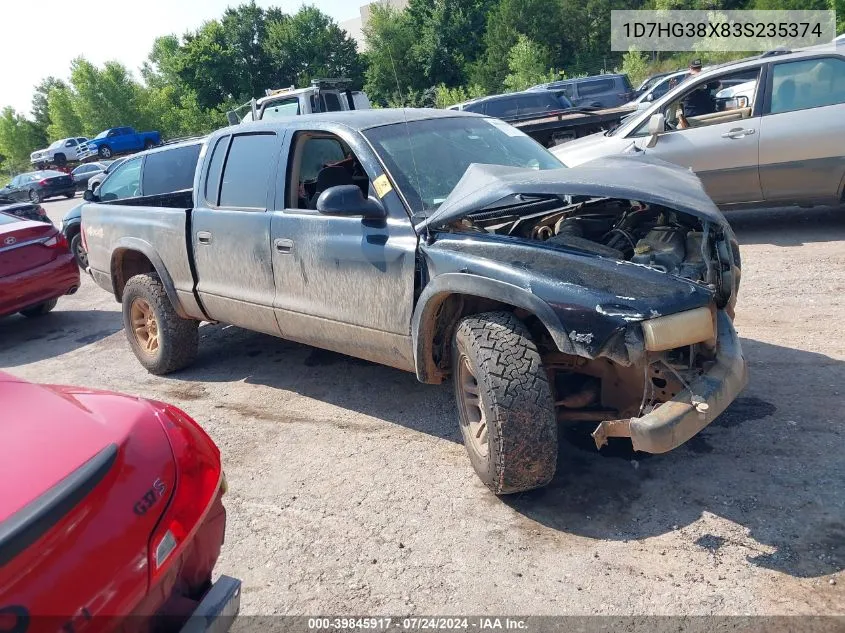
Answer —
150 498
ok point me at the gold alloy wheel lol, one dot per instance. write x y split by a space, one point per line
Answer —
474 418
145 326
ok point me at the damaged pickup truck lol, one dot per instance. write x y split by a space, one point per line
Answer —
452 246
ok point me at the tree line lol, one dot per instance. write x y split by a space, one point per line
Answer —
433 53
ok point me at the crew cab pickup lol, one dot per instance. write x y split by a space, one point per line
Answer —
116 141
453 246
59 152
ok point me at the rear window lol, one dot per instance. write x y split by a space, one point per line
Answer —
532 104
246 174
170 170
332 102
8 219
595 87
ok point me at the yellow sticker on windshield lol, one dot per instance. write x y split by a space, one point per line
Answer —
382 186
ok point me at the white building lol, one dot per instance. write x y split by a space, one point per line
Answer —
355 26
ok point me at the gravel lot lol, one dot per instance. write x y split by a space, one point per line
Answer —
350 492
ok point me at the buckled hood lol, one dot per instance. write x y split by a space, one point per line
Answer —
648 180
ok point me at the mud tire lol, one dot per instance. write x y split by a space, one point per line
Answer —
515 398
178 338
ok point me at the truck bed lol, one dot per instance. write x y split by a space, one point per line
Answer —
569 124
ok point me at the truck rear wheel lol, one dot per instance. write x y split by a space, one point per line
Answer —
104 151
162 341
505 405
149 144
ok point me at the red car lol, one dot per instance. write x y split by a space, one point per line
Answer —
111 515
36 267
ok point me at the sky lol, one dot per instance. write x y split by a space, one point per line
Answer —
41 37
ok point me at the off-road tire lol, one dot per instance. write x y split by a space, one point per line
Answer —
515 396
104 151
178 337
41 309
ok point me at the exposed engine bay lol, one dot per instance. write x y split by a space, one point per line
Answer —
648 235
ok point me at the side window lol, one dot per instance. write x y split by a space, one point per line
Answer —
170 170
595 87
478 108
124 182
332 102
215 168
502 108
532 104
71 143
246 175
279 109
319 163
812 83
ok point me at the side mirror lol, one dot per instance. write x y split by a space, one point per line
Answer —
89 196
347 200
656 127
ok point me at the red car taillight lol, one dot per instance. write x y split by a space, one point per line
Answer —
58 241
198 478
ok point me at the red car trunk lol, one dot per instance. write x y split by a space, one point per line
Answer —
26 245
85 480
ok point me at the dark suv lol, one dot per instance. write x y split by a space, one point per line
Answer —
516 105
600 91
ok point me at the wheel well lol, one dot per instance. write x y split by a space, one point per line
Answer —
126 264
436 332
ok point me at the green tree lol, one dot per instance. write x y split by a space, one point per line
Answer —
19 137
393 74
528 64
64 120
310 45
635 65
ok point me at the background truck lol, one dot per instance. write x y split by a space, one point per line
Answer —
116 141
324 95
452 246
61 152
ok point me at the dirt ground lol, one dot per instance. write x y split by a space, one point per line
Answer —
350 492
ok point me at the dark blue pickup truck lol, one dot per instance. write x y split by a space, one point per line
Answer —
118 140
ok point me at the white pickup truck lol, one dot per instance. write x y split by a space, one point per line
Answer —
60 152
324 95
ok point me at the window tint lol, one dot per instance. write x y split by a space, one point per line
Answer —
71 143
595 87
170 170
317 153
812 83
530 104
280 109
332 102
475 107
124 182
247 171
215 166
502 108
8 219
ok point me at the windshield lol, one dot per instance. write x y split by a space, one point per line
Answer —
428 158
56 144
102 134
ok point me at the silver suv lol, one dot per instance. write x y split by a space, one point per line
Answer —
777 138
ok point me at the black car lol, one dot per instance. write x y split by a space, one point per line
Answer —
27 210
37 186
84 173
516 105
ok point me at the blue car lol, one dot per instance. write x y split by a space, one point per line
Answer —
118 140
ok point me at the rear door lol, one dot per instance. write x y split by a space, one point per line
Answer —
230 230
802 132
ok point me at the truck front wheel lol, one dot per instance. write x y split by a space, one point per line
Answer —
162 341
505 405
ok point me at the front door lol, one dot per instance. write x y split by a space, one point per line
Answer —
342 283
721 147
231 231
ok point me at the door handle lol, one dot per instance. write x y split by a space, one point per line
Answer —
738 133
204 237
283 246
